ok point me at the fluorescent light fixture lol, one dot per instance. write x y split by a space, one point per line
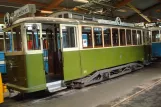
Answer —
81 1
122 10
47 12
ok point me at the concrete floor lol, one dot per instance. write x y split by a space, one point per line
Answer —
150 98
99 95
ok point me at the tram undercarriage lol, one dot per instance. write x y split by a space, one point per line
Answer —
105 74
96 77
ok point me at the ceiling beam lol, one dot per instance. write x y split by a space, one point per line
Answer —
144 11
122 3
139 12
24 2
53 4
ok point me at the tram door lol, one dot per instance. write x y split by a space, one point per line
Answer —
147 46
52 44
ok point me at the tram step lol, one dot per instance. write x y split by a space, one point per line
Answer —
56 86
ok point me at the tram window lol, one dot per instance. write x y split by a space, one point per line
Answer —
122 37
45 40
139 37
87 37
66 15
69 36
8 41
1 42
144 36
134 37
107 37
17 40
155 36
60 16
51 37
115 37
128 37
33 37
97 36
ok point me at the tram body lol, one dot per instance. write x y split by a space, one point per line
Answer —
51 53
155 33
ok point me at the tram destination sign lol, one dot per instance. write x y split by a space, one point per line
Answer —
27 9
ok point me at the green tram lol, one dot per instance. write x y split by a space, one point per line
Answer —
79 52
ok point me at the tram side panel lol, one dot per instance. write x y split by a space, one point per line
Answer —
156 44
97 59
2 63
2 57
156 49
72 65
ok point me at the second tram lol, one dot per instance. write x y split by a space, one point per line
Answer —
155 33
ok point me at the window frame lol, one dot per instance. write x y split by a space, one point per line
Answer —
141 36
155 38
2 34
118 28
82 39
25 40
21 35
13 39
5 48
93 38
76 38
130 37
120 37
110 36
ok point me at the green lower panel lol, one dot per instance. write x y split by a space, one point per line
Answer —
35 72
96 59
72 68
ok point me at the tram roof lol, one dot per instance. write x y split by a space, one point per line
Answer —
154 28
63 20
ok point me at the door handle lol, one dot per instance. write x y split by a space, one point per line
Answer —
13 66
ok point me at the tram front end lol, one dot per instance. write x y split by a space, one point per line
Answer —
24 58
